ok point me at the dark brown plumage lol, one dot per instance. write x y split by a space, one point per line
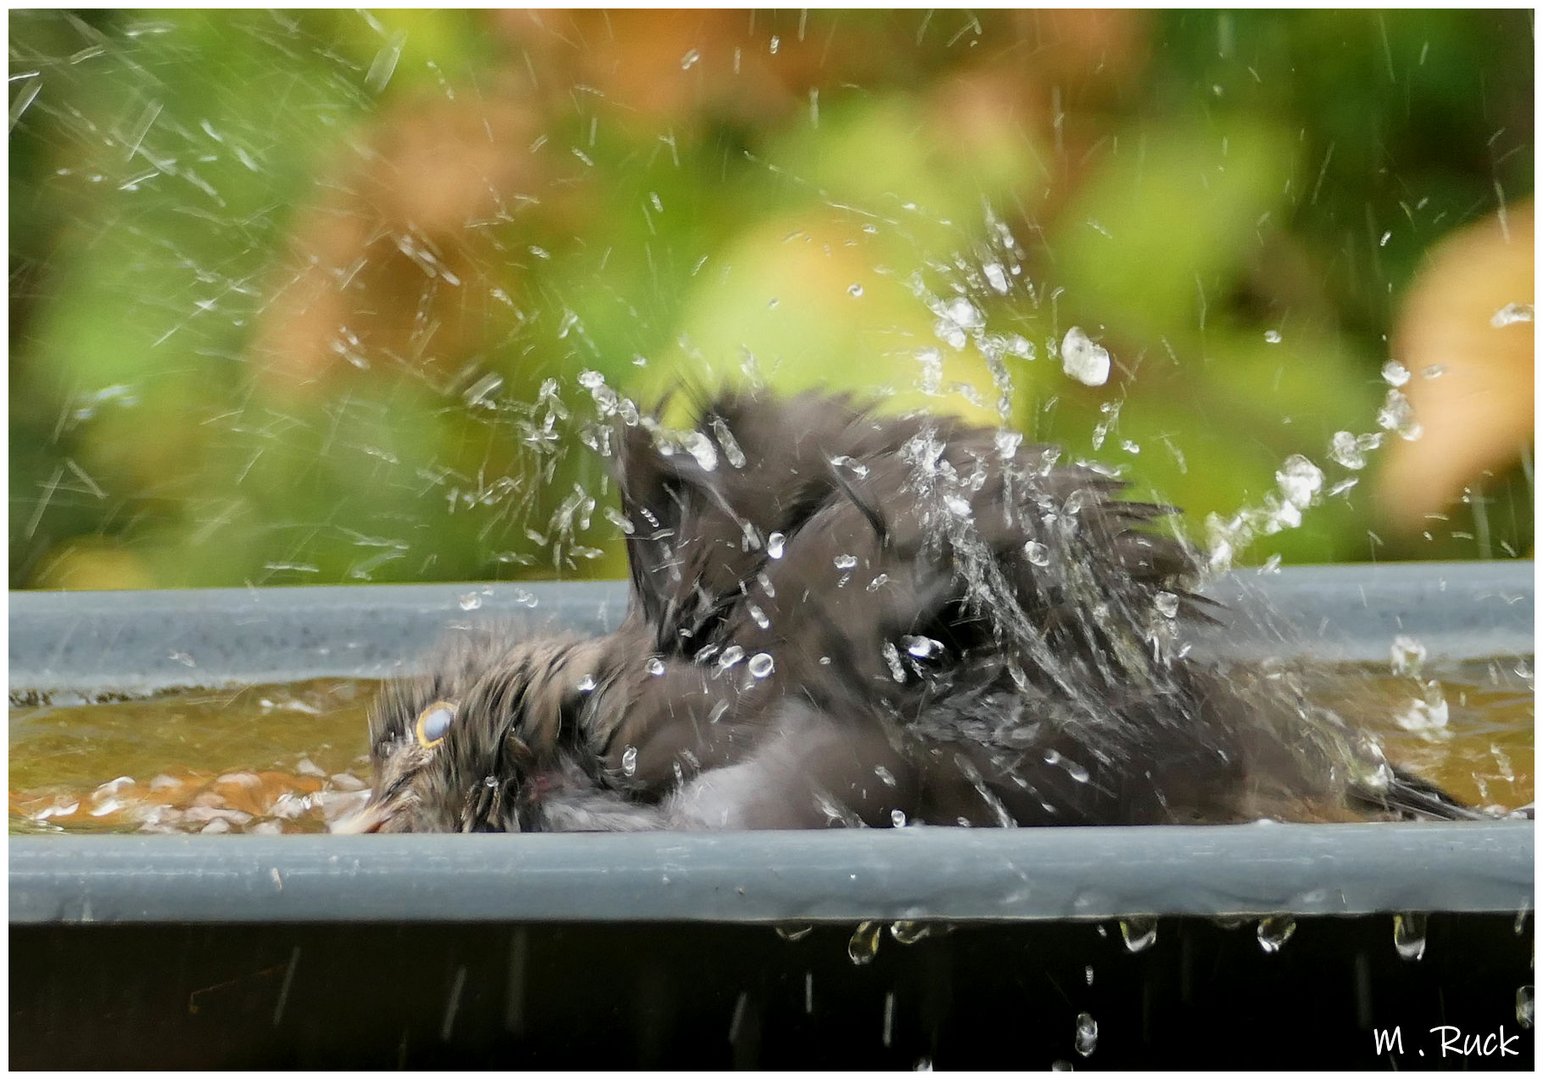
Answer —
838 618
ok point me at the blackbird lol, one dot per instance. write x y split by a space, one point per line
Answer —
843 618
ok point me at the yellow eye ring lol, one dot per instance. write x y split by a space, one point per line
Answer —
433 724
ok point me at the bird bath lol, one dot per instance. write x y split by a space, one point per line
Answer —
962 948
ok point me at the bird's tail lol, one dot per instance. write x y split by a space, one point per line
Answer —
1408 797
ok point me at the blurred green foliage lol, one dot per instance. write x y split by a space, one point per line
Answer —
309 296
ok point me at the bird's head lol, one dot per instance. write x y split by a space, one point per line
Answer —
463 749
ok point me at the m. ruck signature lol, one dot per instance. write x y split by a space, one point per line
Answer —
1451 1041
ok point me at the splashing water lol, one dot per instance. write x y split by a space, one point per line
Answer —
1083 359
864 943
1139 932
1087 1035
1274 931
1510 315
1409 934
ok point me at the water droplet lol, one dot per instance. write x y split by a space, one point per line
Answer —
731 448
1020 346
996 277
1167 604
1299 480
761 665
731 656
921 647
1038 554
620 520
470 601
760 618
854 289
1394 373
850 463
629 760
878 583
897 818
1272 336
864 945
1397 415
892 658
1274 931
1088 974
689 61
1524 1005
909 931
490 781
956 319
587 683
1345 449
885 775
701 448
1435 371
483 389
1428 713
1511 313
794 931
1139 932
774 545
1408 655
931 361
1083 359
1087 1035
1061 1065
655 666
1409 934
845 562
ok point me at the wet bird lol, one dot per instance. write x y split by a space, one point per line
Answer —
841 618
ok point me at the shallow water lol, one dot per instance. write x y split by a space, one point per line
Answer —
284 758
289 758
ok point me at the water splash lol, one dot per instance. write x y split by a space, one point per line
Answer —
1409 934
864 943
1139 932
1274 931
1086 1040
1510 315
1084 359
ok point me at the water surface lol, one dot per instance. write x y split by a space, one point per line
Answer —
289 758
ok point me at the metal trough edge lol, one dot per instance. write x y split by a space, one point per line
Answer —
142 642
763 877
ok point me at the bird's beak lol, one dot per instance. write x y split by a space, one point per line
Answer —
371 817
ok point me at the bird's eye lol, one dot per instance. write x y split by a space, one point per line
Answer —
433 723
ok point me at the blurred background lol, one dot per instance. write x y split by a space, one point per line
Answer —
338 297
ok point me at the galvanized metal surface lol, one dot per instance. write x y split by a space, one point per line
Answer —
141 642
839 875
